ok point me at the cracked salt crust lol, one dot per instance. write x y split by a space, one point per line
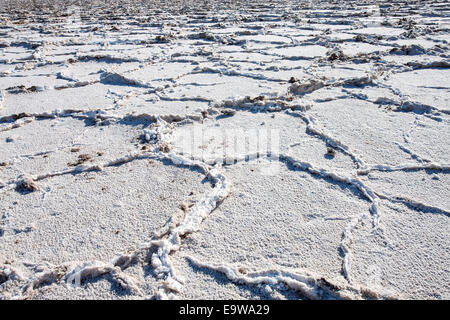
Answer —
92 115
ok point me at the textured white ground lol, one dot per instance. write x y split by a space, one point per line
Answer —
98 97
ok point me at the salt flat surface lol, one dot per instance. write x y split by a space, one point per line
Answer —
132 160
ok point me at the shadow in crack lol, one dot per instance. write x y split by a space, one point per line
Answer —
342 185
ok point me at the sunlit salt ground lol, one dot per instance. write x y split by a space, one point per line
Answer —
134 163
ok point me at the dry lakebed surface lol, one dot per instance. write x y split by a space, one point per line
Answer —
224 149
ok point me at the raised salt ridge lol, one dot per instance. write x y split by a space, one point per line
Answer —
208 150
